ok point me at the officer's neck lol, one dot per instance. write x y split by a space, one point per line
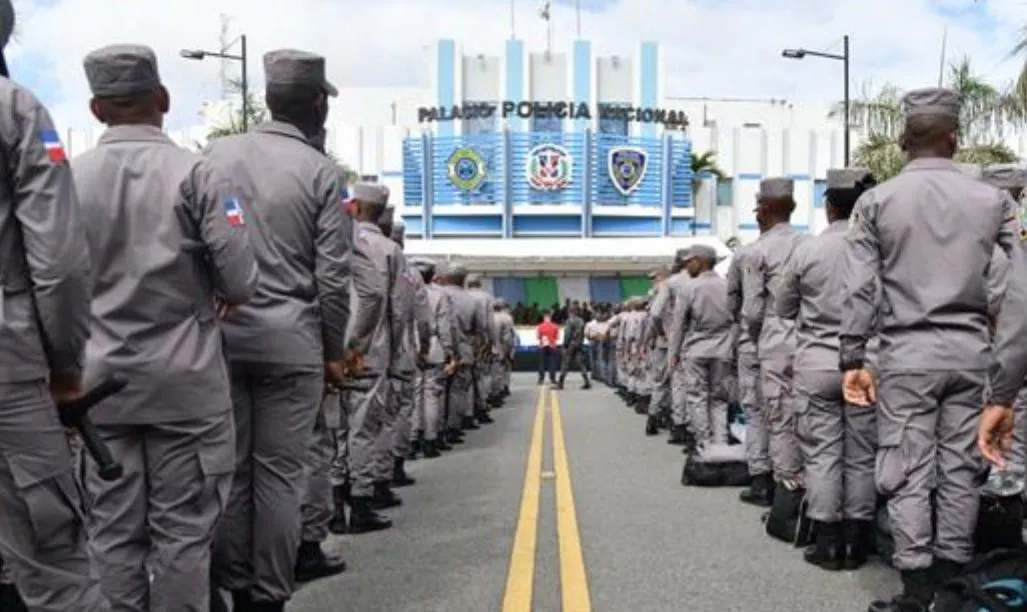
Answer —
772 223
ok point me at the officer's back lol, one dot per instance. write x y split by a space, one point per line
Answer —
163 248
293 195
933 212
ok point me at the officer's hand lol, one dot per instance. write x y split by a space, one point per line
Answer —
335 372
995 434
354 362
224 309
674 362
66 389
858 387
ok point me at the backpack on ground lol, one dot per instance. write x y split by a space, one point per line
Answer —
994 582
716 465
787 520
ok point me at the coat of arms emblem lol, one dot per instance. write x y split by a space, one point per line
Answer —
549 167
465 168
627 167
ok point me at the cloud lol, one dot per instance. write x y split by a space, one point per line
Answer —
717 48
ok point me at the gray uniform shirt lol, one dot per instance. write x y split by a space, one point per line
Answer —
735 297
703 326
468 321
44 258
157 220
377 324
437 343
412 309
928 237
485 301
811 294
302 241
574 332
764 268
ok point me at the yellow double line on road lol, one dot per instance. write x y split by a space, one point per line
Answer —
521 577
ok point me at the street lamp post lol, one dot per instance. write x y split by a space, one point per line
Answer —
799 54
197 54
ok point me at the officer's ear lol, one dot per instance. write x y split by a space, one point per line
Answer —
163 100
97 109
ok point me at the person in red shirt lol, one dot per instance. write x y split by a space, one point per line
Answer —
547 333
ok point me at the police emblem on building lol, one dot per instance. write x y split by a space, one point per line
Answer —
465 168
627 167
549 167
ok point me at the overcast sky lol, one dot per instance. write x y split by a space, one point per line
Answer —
716 48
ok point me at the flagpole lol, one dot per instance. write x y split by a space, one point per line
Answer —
577 10
941 66
513 14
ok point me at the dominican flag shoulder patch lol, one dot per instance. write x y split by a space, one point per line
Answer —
233 212
53 146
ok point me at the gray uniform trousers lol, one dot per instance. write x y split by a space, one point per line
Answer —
479 384
659 380
365 404
1018 454
459 399
779 405
757 434
42 530
403 391
839 442
678 399
429 394
258 538
927 435
386 439
159 518
317 505
707 391
497 377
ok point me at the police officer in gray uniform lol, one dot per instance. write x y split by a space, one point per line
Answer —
839 441
44 324
483 349
757 434
934 339
702 345
155 323
765 264
376 335
468 321
435 350
411 305
291 336
662 309
1012 179
656 340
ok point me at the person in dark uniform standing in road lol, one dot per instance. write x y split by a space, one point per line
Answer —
44 324
574 348
289 341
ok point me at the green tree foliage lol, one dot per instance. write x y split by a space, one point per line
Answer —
987 112
705 164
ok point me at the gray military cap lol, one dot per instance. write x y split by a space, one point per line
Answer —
702 251
7 19
121 70
775 188
1004 176
931 102
370 193
294 67
455 269
846 178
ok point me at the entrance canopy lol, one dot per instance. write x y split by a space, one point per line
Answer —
562 255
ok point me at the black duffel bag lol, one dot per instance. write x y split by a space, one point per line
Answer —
716 465
994 582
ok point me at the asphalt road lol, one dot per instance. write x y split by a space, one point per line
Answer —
615 532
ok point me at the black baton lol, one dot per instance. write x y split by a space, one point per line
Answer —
75 415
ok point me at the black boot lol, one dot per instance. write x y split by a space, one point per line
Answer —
856 535
242 600
312 563
759 492
917 594
652 426
266 606
827 551
441 444
365 520
468 423
558 385
383 497
483 417
944 570
678 435
399 473
431 449
340 497
454 436
586 384
642 406
11 601
416 447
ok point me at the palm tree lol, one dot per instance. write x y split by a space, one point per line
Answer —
348 176
256 113
987 111
704 165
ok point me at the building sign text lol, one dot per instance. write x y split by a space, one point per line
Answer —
552 110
